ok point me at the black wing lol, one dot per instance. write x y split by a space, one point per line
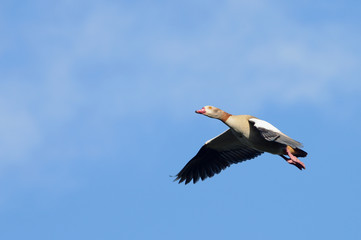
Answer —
214 156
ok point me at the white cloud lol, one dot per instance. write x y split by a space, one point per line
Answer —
19 131
115 60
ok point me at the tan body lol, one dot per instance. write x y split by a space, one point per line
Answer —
250 135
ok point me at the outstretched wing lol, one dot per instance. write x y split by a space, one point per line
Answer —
214 156
271 133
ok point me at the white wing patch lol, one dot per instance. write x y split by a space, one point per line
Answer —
258 123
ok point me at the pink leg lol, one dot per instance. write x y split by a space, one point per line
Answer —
294 160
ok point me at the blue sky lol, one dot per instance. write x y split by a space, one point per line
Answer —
97 103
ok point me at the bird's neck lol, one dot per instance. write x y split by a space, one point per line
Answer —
224 116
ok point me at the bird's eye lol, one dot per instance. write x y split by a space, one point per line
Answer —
209 107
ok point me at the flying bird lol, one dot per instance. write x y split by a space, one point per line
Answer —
246 138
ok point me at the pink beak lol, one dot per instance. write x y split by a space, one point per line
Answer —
202 111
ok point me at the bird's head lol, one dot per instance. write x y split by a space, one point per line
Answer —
211 112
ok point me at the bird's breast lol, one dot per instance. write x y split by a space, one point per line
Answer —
249 135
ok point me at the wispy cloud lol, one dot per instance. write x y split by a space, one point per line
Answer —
116 60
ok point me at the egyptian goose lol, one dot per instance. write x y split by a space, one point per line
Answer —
246 138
